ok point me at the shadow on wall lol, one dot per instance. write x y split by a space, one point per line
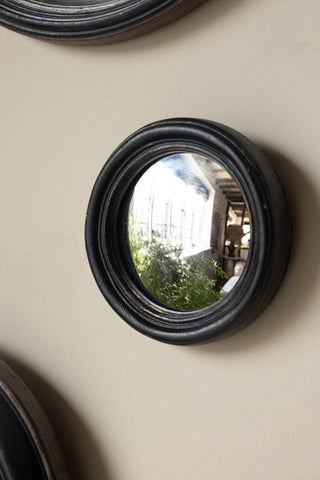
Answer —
300 282
203 17
80 450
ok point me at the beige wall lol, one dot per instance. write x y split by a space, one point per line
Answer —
126 407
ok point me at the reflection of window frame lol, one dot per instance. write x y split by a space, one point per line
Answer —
216 227
180 208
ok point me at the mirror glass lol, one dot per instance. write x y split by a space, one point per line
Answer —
189 231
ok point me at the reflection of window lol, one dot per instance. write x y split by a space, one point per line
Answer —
174 201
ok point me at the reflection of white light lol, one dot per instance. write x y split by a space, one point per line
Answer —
246 238
233 217
173 210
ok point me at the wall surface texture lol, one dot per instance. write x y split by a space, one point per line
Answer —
126 407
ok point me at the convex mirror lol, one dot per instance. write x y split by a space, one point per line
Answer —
184 210
188 231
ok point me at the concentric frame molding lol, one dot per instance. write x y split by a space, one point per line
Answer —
107 241
91 20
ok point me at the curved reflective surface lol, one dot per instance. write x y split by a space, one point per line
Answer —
189 231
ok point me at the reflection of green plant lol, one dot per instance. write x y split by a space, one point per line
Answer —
176 282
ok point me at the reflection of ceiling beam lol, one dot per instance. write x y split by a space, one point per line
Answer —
240 208
227 181
232 191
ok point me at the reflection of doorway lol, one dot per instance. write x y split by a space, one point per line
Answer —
237 233
230 243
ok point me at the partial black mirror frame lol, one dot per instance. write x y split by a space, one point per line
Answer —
108 247
110 21
28 445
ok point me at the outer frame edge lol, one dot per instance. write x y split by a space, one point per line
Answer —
35 424
106 26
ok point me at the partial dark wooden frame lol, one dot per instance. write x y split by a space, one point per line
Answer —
107 243
29 449
111 21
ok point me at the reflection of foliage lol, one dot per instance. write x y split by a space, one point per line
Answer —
176 282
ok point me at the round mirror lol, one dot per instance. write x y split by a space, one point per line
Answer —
29 448
188 231
95 20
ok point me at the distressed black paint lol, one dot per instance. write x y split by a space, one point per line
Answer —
109 21
107 238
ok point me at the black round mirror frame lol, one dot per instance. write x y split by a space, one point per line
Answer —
28 445
111 21
107 231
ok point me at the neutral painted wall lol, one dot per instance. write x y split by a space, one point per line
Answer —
126 407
